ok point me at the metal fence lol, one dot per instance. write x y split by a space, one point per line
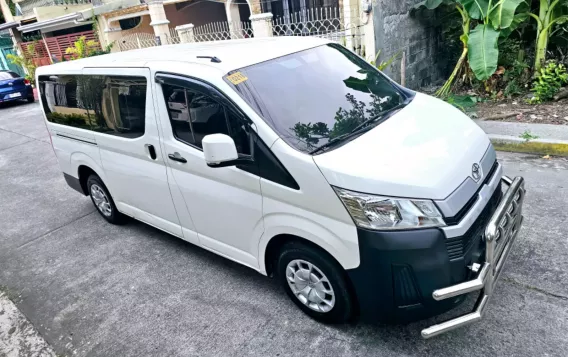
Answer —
333 23
217 31
137 40
336 24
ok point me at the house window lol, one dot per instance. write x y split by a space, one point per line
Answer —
128 24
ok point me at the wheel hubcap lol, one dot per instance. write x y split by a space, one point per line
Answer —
310 285
101 200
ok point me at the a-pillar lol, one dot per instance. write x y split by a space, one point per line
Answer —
159 20
186 34
261 25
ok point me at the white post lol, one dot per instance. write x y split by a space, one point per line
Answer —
262 24
351 21
234 19
186 33
159 20
369 35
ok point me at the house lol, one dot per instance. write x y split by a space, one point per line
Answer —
6 48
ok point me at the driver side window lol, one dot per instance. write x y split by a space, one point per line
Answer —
193 115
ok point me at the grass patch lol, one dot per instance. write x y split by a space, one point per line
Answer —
532 147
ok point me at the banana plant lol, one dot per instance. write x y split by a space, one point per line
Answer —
495 18
550 14
433 4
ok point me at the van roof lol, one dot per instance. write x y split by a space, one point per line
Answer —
233 54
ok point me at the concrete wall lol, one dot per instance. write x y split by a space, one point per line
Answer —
51 12
415 32
199 14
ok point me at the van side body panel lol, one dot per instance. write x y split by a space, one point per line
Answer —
314 212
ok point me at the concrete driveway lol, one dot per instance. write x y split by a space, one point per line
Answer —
93 289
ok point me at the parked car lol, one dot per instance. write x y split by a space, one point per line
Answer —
298 159
14 87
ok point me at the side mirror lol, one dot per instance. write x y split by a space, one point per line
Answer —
220 151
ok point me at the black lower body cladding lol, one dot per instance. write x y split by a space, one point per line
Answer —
399 270
398 273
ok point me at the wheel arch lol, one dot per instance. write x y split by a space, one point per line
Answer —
83 166
343 248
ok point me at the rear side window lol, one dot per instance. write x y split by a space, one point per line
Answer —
114 105
8 75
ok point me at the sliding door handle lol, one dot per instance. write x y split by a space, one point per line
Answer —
177 157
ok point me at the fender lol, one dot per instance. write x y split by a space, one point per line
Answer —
80 159
337 238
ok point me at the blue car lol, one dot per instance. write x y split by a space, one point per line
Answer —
14 87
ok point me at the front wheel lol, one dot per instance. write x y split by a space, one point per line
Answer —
315 283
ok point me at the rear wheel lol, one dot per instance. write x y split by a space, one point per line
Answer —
103 201
315 283
31 99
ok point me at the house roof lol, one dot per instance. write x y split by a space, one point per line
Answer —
234 54
65 19
9 25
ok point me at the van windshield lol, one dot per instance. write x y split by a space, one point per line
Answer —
317 96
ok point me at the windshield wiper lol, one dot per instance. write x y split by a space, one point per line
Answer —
331 143
360 128
378 118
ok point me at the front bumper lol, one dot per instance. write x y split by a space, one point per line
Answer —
410 275
500 235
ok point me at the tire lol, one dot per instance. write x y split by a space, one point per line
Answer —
31 99
325 269
105 206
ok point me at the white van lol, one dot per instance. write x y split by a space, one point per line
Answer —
296 158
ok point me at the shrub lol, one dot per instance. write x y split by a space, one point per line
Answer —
549 80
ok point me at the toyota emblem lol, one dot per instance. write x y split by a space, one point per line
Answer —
476 172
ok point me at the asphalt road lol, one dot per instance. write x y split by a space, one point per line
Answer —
93 289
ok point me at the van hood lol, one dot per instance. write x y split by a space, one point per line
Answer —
426 150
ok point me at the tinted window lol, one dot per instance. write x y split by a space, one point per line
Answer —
8 75
315 95
194 115
114 105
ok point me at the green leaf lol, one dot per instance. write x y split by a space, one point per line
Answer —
503 15
477 9
432 4
518 20
483 51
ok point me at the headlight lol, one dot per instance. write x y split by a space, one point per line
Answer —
379 212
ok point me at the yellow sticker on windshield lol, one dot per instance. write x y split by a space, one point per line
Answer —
237 78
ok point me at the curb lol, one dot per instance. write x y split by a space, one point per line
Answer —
537 146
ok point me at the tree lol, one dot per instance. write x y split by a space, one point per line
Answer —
27 62
550 13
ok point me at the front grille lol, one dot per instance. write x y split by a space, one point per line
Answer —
451 221
458 246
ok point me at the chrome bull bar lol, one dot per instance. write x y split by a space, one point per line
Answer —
500 235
